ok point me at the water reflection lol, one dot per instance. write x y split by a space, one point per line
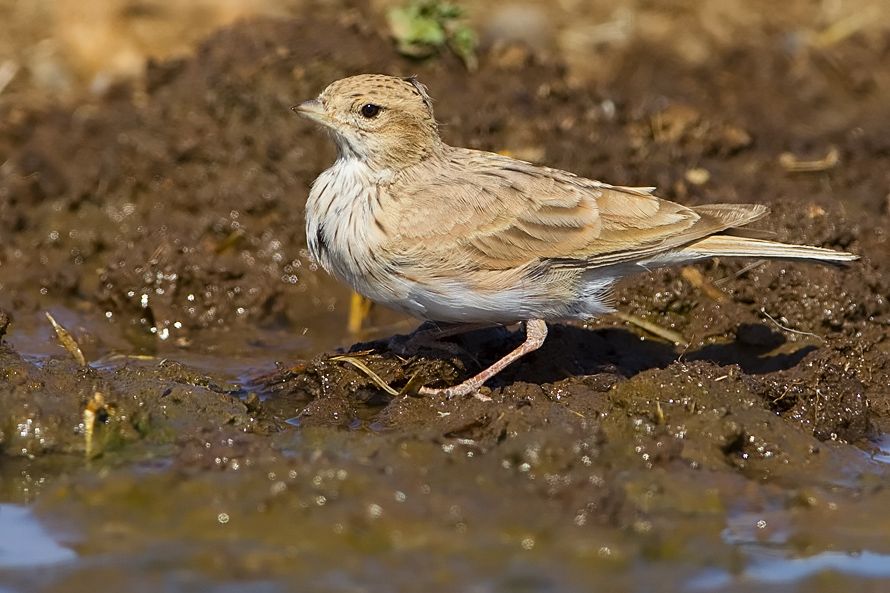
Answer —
883 445
768 566
23 541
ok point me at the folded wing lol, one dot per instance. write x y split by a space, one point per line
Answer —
507 213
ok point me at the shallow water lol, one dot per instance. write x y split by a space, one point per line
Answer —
769 555
25 543
882 443
766 566
221 510
310 514
213 509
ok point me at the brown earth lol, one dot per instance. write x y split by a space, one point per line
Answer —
162 225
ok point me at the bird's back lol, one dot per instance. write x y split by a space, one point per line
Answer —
501 213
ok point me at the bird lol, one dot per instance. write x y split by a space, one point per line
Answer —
471 238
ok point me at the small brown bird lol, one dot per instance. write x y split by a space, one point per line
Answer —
463 236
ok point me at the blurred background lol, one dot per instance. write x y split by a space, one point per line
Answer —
53 49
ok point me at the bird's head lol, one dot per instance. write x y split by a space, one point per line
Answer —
382 120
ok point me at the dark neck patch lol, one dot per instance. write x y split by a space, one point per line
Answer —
320 241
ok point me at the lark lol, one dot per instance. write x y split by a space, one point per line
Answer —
461 236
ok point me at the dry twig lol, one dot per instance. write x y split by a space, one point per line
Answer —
656 330
67 341
793 163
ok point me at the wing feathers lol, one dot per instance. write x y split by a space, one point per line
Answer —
507 213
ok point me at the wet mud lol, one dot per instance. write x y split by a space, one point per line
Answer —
223 436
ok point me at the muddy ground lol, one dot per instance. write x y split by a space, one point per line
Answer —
225 449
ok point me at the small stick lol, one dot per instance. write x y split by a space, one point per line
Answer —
367 371
656 330
694 277
67 341
791 162
788 329
90 417
741 272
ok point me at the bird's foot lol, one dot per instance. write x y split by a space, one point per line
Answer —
535 333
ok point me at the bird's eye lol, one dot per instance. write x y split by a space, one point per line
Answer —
370 110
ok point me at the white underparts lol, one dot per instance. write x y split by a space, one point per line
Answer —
344 238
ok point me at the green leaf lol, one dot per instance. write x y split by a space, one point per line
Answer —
422 28
463 42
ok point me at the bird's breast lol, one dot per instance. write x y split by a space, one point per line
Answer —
342 228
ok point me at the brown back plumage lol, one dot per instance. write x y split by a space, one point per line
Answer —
506 213
444 210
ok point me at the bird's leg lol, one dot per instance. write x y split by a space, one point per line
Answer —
535 333
359 309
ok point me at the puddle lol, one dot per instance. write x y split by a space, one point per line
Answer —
769 567
883 449
763 537
236 356
24 543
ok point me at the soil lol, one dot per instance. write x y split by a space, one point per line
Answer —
218 438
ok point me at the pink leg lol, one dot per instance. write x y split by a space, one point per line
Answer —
535 333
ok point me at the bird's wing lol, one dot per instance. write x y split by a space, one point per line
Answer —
498 213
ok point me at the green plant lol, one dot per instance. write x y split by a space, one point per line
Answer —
421 28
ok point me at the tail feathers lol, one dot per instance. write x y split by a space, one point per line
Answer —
730 246
732 215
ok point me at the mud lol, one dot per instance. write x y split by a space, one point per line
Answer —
226 446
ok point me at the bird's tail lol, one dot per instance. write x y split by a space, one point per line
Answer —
732 246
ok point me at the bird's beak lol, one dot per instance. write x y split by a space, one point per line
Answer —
312 109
